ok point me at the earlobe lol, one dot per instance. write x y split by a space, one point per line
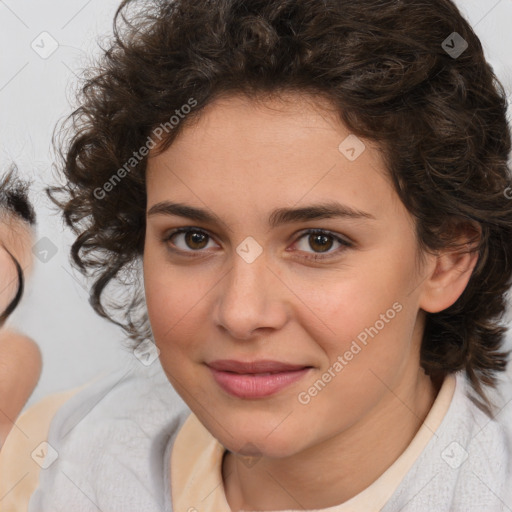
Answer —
453 269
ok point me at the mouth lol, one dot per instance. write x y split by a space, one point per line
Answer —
254 367
256 379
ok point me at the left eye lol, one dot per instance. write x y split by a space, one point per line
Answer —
321 241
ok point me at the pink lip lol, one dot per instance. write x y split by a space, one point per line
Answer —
255 379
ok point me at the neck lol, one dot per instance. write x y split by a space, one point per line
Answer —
310 479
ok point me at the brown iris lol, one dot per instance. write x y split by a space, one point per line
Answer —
195 237
322 241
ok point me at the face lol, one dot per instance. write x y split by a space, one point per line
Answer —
257 270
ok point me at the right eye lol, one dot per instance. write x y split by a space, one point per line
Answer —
192 240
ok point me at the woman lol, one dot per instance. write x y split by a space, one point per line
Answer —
304 206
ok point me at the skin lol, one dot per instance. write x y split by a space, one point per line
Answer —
240 161
20 368
20 357
16 236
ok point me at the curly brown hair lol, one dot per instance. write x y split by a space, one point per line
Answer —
386 67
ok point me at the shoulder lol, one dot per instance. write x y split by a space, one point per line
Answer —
467 465
22 456
108 443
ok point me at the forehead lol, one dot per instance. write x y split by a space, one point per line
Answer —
277 151
261 123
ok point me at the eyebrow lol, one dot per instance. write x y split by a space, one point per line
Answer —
278 217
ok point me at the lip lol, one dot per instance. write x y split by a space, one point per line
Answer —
255 379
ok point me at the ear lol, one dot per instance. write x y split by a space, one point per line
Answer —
452 269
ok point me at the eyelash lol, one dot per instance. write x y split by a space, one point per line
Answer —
314 231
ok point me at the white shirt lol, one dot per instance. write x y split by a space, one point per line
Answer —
115 440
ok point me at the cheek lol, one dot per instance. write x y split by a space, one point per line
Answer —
370 349
343 304
366 317
175 299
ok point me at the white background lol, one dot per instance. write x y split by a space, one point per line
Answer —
35 94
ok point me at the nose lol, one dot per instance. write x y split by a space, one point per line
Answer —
251 300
